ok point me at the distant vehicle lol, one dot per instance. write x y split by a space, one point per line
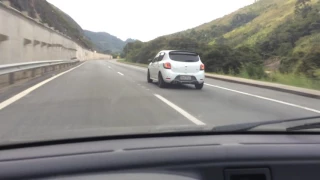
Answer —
176 67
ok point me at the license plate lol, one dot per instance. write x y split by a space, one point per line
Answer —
185 78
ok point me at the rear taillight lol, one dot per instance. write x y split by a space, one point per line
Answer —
202 67
167 65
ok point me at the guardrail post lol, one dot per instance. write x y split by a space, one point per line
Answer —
11 78
33 72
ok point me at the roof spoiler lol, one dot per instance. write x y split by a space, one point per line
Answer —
182 51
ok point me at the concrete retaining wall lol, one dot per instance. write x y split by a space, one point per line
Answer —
23 39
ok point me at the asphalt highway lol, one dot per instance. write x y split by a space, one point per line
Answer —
106 94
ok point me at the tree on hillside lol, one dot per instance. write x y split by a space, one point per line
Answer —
303 2
241 19
182 44
107 51
302 8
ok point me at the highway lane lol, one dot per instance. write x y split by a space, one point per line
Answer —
108 94
218 106
91 96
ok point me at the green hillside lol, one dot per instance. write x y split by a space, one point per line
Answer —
269 35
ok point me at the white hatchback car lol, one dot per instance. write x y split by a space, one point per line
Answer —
176 67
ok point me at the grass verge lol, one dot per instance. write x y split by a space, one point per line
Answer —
279 78
294 80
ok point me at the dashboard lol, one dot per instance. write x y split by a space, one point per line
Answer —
188 157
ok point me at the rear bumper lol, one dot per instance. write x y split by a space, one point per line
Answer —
174 78
178 81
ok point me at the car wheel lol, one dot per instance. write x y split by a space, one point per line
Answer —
199 86
148 78
161 82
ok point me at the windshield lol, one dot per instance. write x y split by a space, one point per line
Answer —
184 57
73 69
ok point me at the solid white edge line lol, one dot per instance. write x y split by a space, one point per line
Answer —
120 73
181 111
265 98
29 90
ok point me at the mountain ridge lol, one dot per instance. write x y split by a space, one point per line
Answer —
105 42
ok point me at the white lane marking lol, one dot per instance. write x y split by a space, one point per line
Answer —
120 73
181 111
29 90
265 98
109 67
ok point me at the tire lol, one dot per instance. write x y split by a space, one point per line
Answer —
161 82
199 86
148 78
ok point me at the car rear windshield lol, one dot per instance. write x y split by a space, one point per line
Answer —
184 56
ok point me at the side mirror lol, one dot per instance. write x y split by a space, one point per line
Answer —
149 60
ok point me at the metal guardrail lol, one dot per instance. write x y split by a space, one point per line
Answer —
10 70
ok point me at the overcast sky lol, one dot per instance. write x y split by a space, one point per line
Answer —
145 19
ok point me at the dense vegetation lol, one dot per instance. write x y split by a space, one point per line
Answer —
105 42
282 36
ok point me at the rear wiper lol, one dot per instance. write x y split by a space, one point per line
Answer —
249 126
